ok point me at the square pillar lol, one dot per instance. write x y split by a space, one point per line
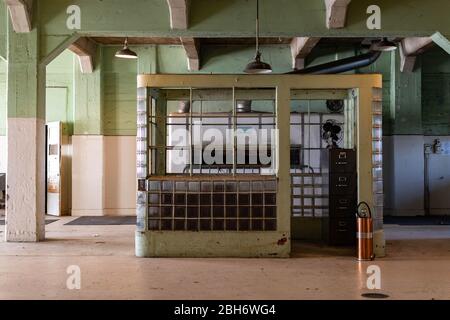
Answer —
25 205
370 159
283 160
3 29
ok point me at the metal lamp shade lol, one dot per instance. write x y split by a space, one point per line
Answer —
126 53
258 67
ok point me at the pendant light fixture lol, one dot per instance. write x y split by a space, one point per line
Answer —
257 66
384 45
126 53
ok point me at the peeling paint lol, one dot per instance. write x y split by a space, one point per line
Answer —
282 241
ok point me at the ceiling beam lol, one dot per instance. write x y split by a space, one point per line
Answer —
336 13
301 47
192 48
179 14
410 48
441 41
86 50
21 14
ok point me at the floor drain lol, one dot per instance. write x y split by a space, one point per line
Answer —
375 295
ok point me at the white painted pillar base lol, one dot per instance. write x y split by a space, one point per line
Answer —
25 205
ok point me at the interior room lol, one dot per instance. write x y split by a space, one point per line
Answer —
173 142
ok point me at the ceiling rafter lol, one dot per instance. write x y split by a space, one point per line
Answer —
336 13
179 20
301 47
179 14
86 50
192 48
21 14
410 48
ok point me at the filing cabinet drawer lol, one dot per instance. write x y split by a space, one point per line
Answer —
343 206
342 184
342 160
342 231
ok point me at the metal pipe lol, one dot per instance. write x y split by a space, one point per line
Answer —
257 27
235 156
191 150
426 198
343 65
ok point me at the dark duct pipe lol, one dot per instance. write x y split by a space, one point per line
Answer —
343 65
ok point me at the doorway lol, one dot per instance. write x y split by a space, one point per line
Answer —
59 124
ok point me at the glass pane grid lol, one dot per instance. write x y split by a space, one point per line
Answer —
307 144
212 205
219 109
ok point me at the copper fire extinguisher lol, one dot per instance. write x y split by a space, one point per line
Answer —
365 232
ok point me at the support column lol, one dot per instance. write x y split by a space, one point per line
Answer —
3 29
26 139
369 155
283 160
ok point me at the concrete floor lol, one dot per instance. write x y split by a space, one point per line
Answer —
417 267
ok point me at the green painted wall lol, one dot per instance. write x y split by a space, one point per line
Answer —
406 99
436 92
214 59
3 111
119 98
88 99
60 91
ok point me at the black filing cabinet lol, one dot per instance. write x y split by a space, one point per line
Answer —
340 184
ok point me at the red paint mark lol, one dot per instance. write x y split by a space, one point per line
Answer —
282 242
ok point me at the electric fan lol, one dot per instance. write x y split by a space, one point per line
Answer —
332 133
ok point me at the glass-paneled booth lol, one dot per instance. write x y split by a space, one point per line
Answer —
237 165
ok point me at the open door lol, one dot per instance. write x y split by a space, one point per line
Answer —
54 160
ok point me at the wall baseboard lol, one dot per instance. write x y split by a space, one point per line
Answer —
104 212
119 212
87 213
